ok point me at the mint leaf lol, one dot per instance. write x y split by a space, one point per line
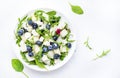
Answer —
76 9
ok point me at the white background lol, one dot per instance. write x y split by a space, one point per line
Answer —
100 22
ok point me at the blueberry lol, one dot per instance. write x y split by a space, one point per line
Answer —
48 26
55 38
56 56
69 45
30 22
55 46
45 49
34 26
50 48
29 48
39 43
30 54
20 32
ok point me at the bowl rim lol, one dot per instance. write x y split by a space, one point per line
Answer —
67 58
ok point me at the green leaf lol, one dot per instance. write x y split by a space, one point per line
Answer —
52 62
27 42
104 53
17 65
21 22
40 64
86 43
76 9
63 55
54 20
51 13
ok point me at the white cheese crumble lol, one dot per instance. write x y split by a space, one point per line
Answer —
27 35
41 39
47 43
45 59
36 48
36 39
63 49
57 51
35 33
63 33
50 54
23 46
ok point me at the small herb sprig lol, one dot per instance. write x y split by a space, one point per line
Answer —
104 53
18 66
86 43
76 9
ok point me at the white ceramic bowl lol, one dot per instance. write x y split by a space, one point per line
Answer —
49 68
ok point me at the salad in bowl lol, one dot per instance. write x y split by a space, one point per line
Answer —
44 40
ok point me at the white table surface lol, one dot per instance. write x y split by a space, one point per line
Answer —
100 21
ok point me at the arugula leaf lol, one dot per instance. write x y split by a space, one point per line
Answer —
54 20
86 43
18 40
51 13
40 64
38 13
21 22
28 43
76 9
52 62
19 26
63 55
104 53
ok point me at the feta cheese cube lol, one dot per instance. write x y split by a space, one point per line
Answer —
36 48
62 24
45 59
35 33
29 28
63 33
39 22
47 43
57 51
59 39
41 39
23 46
23 37
63 49
29 58
50 54
31 39
36 39
27 35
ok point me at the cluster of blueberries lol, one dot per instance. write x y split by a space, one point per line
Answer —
44 49
34 26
